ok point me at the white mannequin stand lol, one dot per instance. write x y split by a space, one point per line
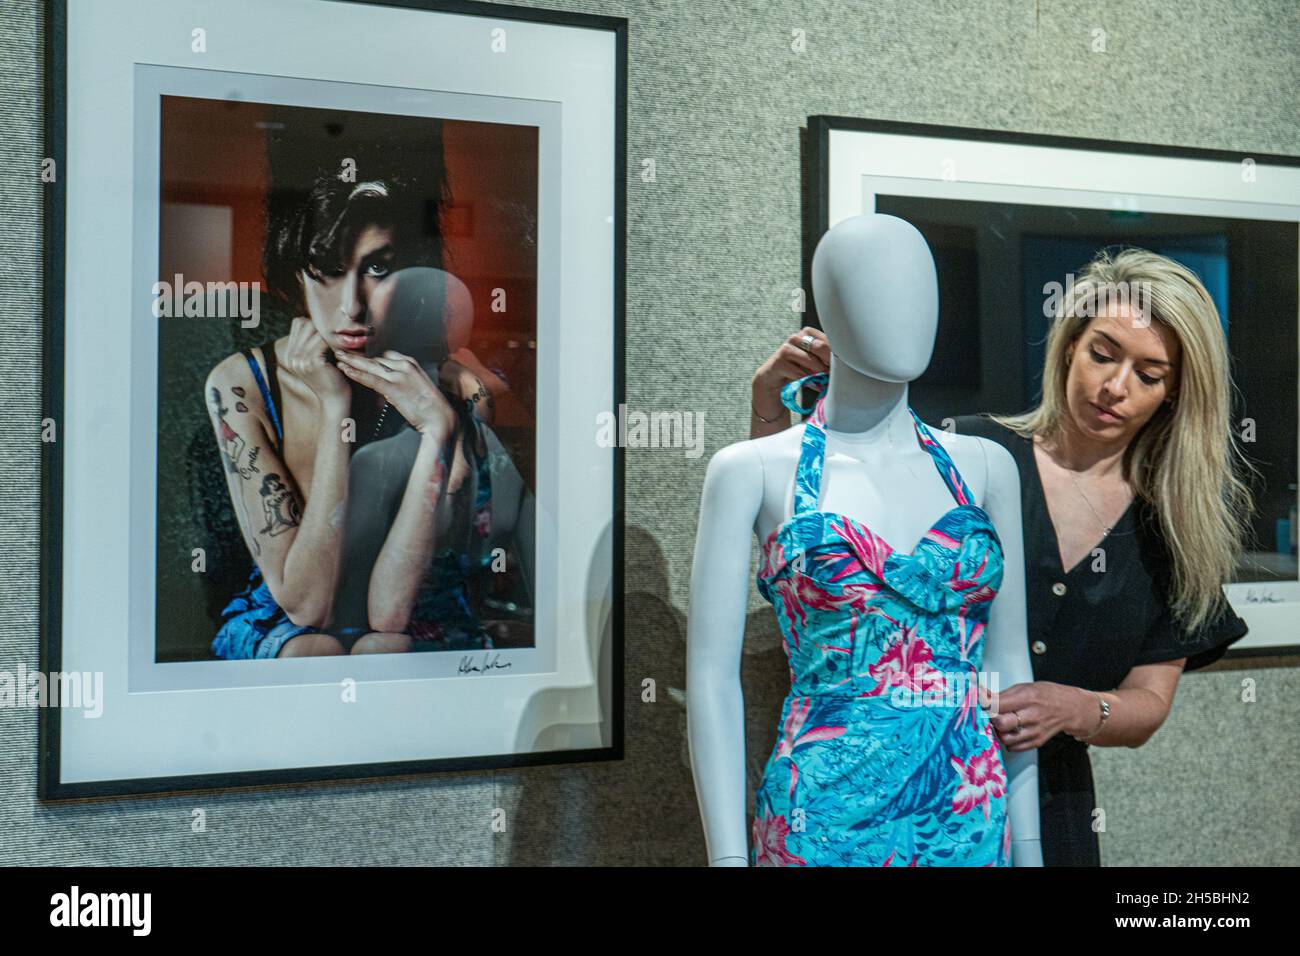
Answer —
877 296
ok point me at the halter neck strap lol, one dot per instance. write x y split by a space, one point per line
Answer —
808 477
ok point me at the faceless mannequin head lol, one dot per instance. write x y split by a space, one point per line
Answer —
421 312
877 296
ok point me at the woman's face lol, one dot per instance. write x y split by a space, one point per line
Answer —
1120 371
337 298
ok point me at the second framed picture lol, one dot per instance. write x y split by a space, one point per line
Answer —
1012 218
329 325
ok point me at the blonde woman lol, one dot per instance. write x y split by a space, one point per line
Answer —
1134 518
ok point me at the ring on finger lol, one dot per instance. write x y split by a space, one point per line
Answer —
806 343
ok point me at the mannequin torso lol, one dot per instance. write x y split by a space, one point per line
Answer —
876 292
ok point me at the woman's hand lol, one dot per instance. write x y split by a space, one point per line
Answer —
789 362
406 386
1029 715
306 356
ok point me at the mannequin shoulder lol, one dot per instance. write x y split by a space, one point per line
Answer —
740 468
963 449
1003 469
734 463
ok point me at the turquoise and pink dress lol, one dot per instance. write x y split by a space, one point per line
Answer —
884 755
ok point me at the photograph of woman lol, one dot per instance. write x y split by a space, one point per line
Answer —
1134 518
324 378
370 488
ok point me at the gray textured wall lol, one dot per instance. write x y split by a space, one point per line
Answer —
717 98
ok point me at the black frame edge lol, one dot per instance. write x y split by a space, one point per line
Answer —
819 129
50 787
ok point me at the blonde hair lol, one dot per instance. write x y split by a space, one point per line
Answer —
1182 460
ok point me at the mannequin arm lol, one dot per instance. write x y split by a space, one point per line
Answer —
1006 647
733 489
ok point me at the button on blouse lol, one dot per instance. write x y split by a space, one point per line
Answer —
1100 618
1088 627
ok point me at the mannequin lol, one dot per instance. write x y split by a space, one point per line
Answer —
877 294
428 314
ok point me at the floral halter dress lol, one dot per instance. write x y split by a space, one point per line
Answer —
885 756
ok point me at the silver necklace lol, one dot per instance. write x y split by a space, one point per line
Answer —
380 424
1106 529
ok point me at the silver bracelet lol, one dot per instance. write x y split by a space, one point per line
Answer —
765 421
1105 716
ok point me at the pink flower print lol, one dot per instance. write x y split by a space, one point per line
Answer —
937 536
889 859
973 598
818 417
989 732
981 779
773 556
791 735
800 592
966 641
905 663
965 584
971 706
785 589
813 595
769 843
872 551
810 594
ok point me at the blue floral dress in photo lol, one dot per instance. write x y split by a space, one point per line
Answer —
254 626
884 756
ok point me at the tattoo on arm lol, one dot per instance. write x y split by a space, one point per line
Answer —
231 443
279 506
433 489
480 394
232 446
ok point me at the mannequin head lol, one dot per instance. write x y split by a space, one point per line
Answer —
421 312
877 296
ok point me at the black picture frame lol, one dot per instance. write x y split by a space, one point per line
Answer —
50 786
816 214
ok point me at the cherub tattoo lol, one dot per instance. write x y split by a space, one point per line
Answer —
279 506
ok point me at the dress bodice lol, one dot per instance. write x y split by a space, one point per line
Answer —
887 616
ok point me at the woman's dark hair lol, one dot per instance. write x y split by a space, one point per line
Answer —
382 170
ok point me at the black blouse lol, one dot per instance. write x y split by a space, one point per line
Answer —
1088 627
1091 625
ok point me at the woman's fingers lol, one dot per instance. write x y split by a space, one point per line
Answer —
819 348
371 366
365 378
794 359
797 361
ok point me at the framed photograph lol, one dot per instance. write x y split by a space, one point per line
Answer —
333 304
1009 214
